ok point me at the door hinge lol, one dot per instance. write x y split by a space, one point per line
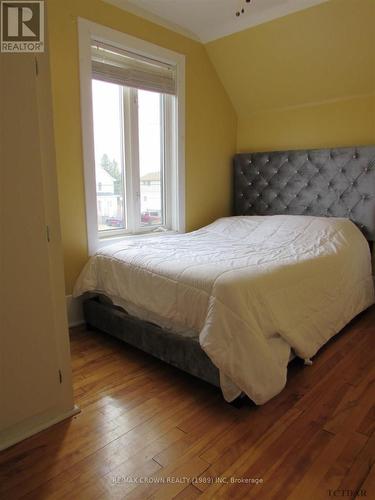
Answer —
36 67
60 376
48 234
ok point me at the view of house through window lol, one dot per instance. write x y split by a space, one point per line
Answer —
111 168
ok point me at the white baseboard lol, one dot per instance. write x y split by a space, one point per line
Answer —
24 430
74 310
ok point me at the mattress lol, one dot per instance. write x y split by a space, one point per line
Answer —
252 287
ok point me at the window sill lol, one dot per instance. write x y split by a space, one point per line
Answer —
110 240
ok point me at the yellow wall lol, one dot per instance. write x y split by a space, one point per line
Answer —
210 122
304 80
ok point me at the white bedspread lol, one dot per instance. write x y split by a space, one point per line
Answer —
253 287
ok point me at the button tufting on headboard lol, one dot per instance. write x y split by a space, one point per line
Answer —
322 182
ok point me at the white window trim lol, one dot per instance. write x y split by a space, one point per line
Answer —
88 31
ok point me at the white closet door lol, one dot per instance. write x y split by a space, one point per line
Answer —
29 356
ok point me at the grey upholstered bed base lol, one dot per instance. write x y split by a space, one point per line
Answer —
179 351
328 182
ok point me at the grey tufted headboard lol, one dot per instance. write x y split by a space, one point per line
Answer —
321 182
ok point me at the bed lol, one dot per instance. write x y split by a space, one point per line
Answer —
231 302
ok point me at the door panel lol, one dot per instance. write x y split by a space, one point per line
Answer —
29 379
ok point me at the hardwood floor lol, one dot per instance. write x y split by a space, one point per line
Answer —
143 419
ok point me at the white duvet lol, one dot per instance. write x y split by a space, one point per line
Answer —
252 287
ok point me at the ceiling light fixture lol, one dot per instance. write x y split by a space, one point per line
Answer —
242 9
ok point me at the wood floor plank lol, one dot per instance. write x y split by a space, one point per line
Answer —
367 426
189 493
294 467
360 468
267 442
368 487
339 467
354 407
307 487
174 451
244 439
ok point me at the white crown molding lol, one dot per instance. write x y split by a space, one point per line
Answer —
254 16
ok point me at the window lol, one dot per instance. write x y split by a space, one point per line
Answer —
133 141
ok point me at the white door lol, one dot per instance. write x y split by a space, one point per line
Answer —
30 354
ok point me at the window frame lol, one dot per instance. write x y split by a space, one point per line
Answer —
174 152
